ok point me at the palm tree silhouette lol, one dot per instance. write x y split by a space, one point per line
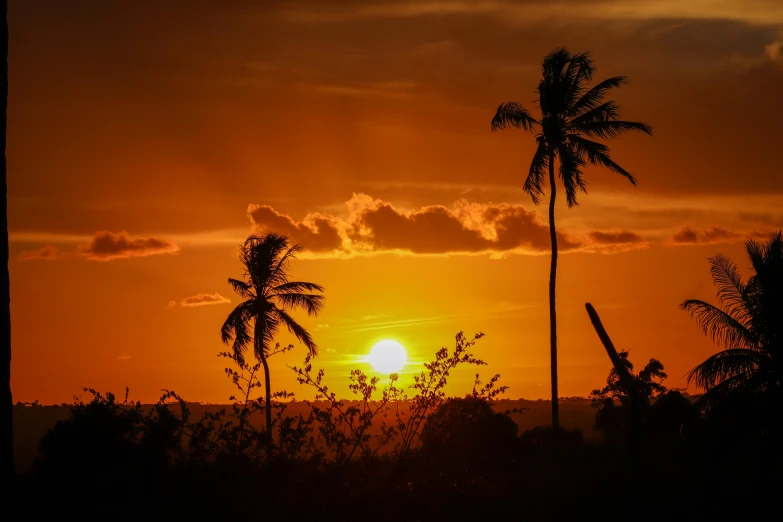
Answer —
571 114
268 297
748 326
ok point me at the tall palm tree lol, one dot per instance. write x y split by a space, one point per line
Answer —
571 115
268 297
748 326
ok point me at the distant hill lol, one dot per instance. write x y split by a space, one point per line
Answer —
31 421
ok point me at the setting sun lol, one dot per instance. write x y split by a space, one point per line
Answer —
387 356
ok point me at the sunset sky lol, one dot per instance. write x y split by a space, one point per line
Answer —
145 141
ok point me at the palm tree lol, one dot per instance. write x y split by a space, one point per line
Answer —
268 297
571 114
748 326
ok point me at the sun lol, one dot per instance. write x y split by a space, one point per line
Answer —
387 356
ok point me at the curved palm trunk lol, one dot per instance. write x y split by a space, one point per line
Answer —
268 399
552 285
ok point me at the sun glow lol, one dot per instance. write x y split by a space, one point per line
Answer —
387 356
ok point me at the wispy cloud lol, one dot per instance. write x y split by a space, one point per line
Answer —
200 300
45 253
387 89
107 246
692 236
766 12
495 312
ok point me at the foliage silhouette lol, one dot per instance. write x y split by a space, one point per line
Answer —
748 326
268 297
122 460
465 433
345 428
571 115
613 401
429 387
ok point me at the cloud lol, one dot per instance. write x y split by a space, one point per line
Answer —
764 12
106 246
390 89
689 235
123 357
322 326
774 51
376 226
201 300
621 237
316 232
435 229
45 253
616 241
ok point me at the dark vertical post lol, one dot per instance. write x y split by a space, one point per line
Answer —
7 435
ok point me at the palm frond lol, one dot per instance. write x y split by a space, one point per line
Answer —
731 290
267 325
297 330
724 365
554 87
536 177
240 287
592 98
298 286
553 63
312 303
724 329
735 389
235 328
279 274
612 128
260 255
571 173
607 111
512 114
598 154
579 71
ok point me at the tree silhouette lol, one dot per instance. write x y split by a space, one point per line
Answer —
614 400
467 432
268 297
748 325
571 114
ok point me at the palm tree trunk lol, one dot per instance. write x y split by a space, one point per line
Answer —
628 383
6 496
552 286
268 411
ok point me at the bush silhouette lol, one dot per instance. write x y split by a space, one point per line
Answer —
467 432
98 440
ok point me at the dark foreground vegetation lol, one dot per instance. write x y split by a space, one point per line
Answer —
430 457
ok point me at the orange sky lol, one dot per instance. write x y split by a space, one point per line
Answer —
145 141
